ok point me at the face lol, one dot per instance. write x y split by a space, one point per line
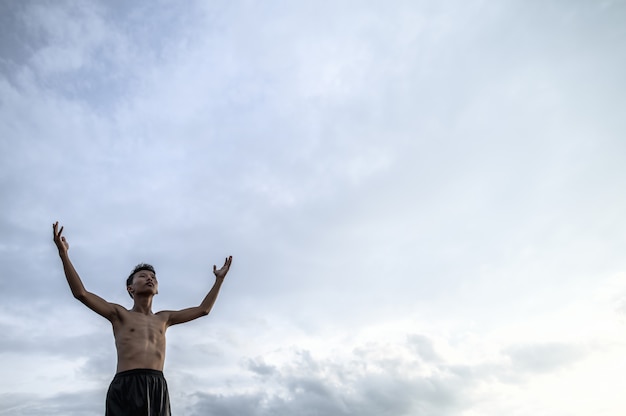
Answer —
144 281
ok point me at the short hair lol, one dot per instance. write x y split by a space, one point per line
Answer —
138 268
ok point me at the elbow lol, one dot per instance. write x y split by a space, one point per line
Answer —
81 296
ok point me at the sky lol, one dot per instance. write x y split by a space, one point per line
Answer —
423 200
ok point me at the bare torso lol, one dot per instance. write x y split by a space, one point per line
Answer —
139 340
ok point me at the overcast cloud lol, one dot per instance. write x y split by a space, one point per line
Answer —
424 202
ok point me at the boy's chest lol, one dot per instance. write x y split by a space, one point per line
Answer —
141 326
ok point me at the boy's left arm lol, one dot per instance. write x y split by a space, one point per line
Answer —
189 314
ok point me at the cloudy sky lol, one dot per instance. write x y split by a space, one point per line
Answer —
424 202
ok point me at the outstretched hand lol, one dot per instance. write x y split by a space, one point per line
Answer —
59 240
221 273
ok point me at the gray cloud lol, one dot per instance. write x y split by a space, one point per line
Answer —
423 347
259 367
315 387
544 357
87 402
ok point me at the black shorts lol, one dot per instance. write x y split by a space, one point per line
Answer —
140 392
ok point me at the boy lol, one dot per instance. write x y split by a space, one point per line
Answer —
138 388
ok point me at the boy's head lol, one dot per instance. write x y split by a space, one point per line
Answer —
138 268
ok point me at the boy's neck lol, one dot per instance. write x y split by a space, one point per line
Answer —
143 304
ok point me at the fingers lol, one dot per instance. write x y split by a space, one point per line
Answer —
58 238
225 267
55 226
227 262
55 231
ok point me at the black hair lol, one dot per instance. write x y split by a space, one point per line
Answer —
139 267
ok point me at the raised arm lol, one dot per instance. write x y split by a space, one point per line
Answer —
189 314
92 301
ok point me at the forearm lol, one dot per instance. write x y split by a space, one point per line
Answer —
209 299
189 314
76 285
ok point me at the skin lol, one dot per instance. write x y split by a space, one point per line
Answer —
139 333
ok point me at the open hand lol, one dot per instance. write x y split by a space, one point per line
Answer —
59 240
221 273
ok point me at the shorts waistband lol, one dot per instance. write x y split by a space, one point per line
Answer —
139 371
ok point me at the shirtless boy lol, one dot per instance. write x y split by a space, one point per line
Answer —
138 388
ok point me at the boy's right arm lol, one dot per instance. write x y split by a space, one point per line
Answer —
92 301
